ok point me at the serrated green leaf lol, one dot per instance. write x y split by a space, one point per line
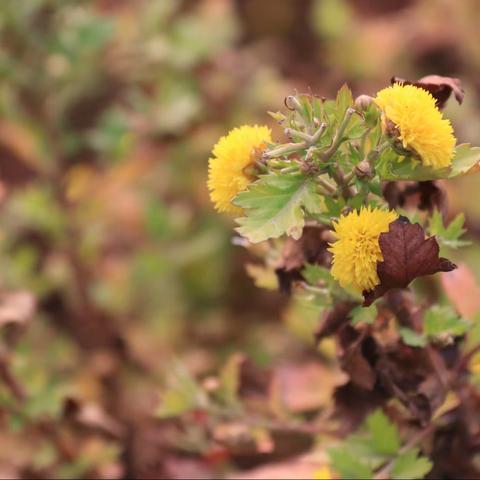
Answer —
334 206
392 166
348 465
409 466
448 236
364 314
465 158
275 205
412 338
443 321
385 437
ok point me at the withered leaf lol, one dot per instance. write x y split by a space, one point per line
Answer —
407 254
440 87
333 320
357 356
311 247
428 195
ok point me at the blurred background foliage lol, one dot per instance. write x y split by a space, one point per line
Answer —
117 277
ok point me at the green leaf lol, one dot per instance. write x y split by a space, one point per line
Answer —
384 433
230 380
183 394
443 321
364 314
314 274
334 207
392 166
275 205
412 338
465 158
343 101
409 466
277 116
348 465
448 236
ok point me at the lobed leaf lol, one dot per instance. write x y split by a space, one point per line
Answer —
448 236
392 166
409 466
384 433
407 254
275 205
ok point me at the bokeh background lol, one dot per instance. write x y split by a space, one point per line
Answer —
115 272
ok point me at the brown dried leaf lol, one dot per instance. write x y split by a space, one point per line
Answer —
333 320
357 356
409 195
440 87
407 254
311 247
463 290
92 416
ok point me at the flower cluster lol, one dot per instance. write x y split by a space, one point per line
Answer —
332 231
329 173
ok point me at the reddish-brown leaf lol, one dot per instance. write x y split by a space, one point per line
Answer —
407 254
440 87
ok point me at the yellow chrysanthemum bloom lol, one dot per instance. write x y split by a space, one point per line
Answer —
228 168
420 123
357 250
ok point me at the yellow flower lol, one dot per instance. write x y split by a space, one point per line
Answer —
324 473
228 168
421 125
356 250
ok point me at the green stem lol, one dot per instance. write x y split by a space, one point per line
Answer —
286 149
326 185
338 138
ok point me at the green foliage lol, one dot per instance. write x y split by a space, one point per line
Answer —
410 466
392 166
314 274
182 394
384 434
448 236
348 465
412 338
376 445
440 322
465 158
276 205
364 314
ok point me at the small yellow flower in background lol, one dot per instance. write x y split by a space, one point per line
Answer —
421 125
475 364
357 250
227 169
323 473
